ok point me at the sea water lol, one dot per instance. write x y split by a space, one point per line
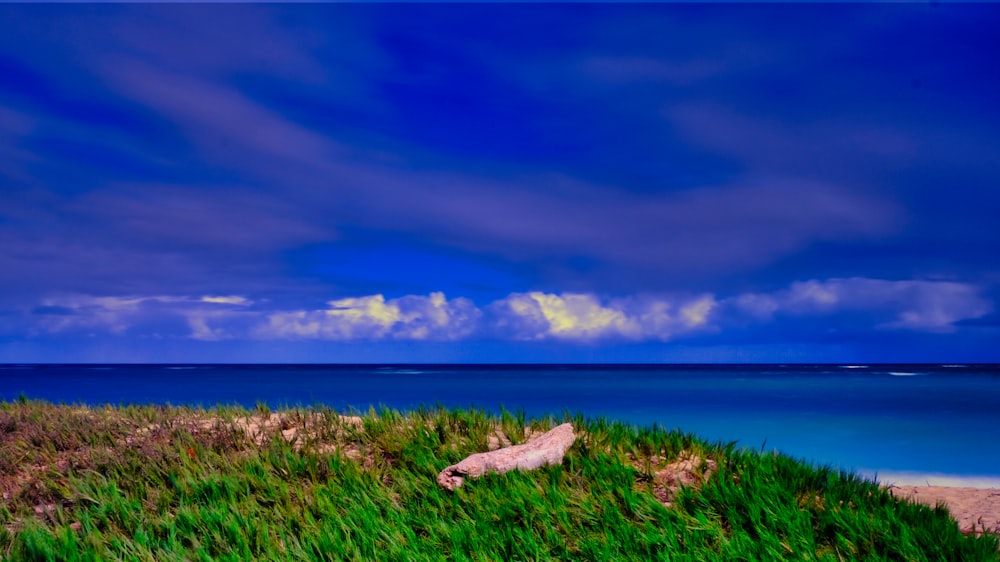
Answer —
912 424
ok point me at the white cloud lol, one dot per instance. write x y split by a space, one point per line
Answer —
231 299
572 316
569 316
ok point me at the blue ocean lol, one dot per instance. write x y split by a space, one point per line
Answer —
936 424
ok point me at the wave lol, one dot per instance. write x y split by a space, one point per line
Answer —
906 374
393 371
853 366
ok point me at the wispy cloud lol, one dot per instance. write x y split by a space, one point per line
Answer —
156 315
272 178
715 228
919 305
640 173
219 118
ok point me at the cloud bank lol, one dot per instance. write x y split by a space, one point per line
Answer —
877 304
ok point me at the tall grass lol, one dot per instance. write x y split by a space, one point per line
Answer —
158 483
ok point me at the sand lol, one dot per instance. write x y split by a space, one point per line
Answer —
976 509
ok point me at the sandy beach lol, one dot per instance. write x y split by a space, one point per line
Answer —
976 509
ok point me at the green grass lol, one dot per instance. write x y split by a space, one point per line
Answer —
155 483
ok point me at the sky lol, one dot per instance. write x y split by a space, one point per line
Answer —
464 183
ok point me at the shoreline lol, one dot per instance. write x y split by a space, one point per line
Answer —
976 510
973 500
917 478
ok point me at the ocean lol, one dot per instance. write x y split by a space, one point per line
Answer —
905 424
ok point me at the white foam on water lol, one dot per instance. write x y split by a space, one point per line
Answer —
854 366
902 374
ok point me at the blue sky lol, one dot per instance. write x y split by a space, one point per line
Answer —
499 183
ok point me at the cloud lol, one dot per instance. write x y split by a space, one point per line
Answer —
150 239
856 303
714 228
583 317
373 317
212 219
222 40
233 299
157 315
550 213
917 305
235 175
204 152
220 119
114 314
537 315
650 238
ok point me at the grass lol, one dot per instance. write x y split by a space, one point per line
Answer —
165 483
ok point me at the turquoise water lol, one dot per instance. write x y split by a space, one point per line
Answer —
906 423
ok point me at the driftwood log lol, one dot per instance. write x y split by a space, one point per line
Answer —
546 449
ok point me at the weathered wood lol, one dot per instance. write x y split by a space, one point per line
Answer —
546 449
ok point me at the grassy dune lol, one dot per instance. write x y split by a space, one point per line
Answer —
164 483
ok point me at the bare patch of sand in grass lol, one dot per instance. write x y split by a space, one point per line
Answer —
294 428
688 470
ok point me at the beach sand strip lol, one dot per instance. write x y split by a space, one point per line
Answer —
976 509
